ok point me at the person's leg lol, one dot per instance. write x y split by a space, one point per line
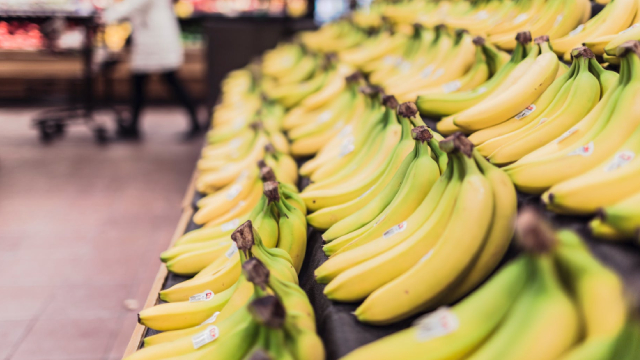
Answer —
129 130
139 82
183 97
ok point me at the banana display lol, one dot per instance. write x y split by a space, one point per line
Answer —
554 301
412 221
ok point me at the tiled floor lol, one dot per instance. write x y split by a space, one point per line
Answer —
81 228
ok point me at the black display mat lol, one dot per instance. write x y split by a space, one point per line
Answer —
342 333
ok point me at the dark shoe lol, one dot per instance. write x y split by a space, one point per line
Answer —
128 132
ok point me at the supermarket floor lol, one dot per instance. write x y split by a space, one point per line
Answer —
81 228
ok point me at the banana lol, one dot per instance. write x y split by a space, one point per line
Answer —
192 262
241 320
242 208
319 199
292 226
623 216
599 295
499 236
441 197
497 109
185 314
224 277
417 183
548 103
366 162
476 75
452 254
371 268
448 104
365 215
552 322
453 333
603 230
583 97
212 208
381 47
280 60
614 18
631 33
617 174
594 147
303 70
459 61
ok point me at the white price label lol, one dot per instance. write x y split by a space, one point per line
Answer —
233 224
620 159
212 319
427 71
347 130
577 30
451 86
558 20
324 117
203 296
347 147
235 143
438 323
203 338
481 15
394 230
565 135
233 249
438 73
233 192
405 66
526 112
481 90
520 18
585 150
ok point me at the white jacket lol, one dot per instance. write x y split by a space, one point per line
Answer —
156 46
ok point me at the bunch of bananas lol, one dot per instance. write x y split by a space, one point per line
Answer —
210 254
324 115
555 301
505 73
596 33
267 313
561 106
599 152
496 19
418 252
369 157
334 37
440 61
525 83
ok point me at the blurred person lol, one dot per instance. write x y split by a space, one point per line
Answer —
156 49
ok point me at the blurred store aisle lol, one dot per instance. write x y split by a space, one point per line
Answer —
81 227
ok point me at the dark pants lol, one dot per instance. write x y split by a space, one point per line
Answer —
172 81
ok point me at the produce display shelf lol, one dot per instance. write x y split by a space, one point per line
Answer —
338 328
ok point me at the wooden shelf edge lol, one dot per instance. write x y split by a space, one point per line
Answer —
152 299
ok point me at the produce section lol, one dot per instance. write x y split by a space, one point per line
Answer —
380 163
